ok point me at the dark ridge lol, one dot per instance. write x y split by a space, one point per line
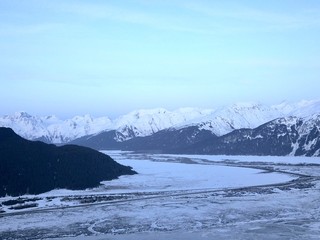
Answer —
168 140
35 167
280 137
274 138
162 141
105 140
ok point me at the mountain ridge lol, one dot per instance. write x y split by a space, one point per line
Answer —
286 136
35 167
145 122
185 128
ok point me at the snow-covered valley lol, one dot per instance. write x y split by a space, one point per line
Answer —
180 197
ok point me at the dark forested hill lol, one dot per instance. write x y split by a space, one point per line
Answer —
160 141
105 140
36 167
280 137
168 140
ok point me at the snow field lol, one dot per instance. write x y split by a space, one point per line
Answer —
168 176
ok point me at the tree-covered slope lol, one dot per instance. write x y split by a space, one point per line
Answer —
36 167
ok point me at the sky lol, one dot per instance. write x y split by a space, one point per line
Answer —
110 57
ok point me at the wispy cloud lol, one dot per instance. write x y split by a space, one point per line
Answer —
196 17
207 17
23 29
270 20
151 18
270 63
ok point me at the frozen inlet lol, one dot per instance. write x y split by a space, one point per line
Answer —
182 197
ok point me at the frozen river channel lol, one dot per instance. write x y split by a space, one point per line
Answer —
181 197
163 175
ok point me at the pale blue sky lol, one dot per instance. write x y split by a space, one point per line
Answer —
110 57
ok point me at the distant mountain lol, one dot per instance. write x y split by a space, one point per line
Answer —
303 108
161 141
214 123
139 124
236 116
50 129
36 167
168 140
25 125
284 136
150 129
149 121
105 140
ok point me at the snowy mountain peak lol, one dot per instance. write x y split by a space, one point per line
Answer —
302 108
22 115
249 107
20 118
148 121
145 122
85 118
145 112
246 105
50 117
235 116
306 103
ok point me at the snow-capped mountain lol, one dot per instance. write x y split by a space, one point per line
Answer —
51 129
243 128
294 136
236 116
134 124
78 126
25 125
303 108
146 122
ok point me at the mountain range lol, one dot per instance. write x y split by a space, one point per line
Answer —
137 123
186 130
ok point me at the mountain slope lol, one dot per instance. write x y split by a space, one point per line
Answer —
236 116
86 130
50 129
280 137
283 136
168 139
36 167
105 140
25 125
302 108
150 122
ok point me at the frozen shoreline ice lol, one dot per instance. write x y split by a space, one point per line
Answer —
270 212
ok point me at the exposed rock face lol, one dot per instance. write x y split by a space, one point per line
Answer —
284 136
